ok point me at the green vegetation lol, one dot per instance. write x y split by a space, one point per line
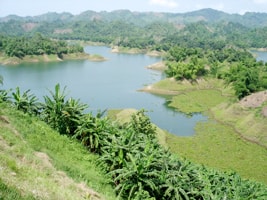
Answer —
208 70
247 122
38 162
218 145
36 45
130 154
233 136
16 50
206 29
236 67
12 193
197 101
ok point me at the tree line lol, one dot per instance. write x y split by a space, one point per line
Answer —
159 35
36 45
237 67
137 166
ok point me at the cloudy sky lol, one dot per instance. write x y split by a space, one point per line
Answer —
37 7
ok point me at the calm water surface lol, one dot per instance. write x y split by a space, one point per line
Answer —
260 55
103 85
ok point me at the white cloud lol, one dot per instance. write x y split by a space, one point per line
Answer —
165 3
260 1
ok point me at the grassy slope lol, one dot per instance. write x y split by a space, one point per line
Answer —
217 144
36 161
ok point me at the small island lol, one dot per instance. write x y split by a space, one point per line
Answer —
17 50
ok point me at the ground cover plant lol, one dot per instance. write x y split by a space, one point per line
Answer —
39 163
138 167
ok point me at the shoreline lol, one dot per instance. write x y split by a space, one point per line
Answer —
243 107
234 132
7 61
126 50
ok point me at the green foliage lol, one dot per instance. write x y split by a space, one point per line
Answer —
140 123
92 132
36 45
136 164
185 63
12 193
236 66
139 166
245 79
62 114
54 166
4 95
1 80
26 102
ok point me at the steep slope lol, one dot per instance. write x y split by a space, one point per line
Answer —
38 163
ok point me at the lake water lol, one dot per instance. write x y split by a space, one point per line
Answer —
112 84
260 55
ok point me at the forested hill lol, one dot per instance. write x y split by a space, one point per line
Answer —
203 28
249 19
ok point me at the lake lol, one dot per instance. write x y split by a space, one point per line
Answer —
260 55
111 84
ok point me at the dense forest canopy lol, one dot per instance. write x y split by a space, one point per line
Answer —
205 27
237 67
36 45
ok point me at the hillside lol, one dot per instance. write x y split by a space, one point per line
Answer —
249 19
37 163
145 30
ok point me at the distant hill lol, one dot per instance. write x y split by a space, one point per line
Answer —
249 19
202 28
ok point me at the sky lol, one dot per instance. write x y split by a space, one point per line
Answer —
38 7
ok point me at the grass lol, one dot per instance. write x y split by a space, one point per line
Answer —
247 122
219 142
197 101
40 163
218 146
12 193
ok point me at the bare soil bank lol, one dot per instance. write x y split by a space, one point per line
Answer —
48 58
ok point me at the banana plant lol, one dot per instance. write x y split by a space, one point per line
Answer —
26 102
62 114
4 96
92 132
